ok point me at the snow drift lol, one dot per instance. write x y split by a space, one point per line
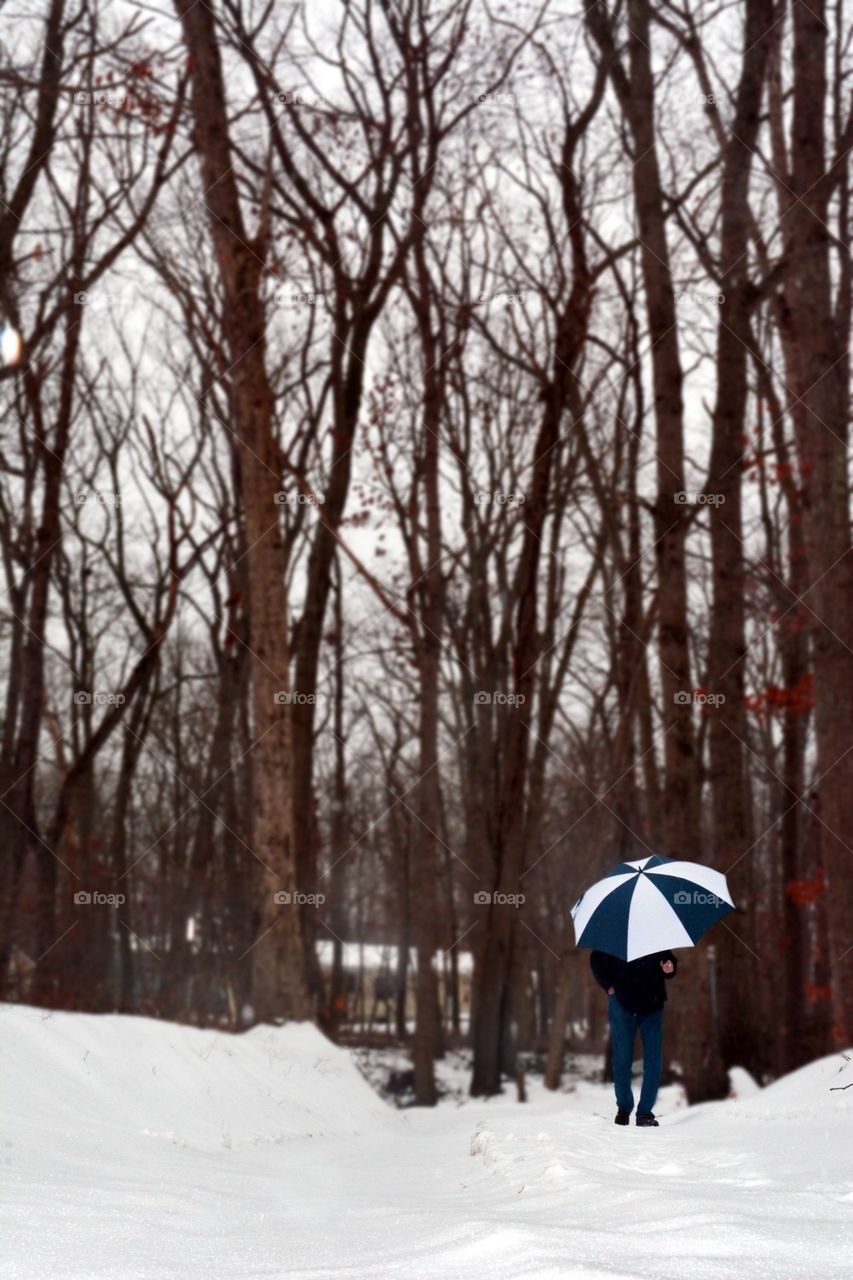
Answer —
91 1075
141 1150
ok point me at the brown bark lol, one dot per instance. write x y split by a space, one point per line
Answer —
335 1010
499 964
803 1035
635 91
492 988
821 338
559 1022
277 959
427 624
732 826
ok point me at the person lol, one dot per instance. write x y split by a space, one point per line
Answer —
637 991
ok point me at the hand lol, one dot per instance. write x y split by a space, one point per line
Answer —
611 991
667 966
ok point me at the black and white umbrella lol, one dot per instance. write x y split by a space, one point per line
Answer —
653 904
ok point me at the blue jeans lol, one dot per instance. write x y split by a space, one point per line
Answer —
623 1031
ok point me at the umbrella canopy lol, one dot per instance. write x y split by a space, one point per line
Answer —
650 905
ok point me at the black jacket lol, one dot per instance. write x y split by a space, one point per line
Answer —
640 985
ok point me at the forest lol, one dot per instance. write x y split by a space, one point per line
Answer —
424 485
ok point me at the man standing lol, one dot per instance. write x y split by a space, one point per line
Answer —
637 991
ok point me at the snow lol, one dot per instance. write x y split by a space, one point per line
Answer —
139 1149
742 1084
375 956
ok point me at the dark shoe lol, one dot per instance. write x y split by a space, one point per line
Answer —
623 1116
647 1122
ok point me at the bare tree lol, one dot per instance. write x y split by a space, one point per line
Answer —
279 984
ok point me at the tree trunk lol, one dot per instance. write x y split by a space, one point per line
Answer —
739 1038
559 1022
278 963
823 446
636 93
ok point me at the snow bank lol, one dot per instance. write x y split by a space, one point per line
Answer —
813 1092
141 1150
90 1075
816 1092
741 1083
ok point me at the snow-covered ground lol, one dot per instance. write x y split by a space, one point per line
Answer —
134 1148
